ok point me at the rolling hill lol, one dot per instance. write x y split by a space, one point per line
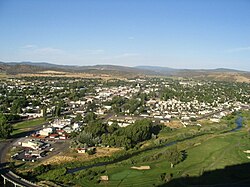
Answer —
222 74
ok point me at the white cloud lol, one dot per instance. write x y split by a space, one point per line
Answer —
131 37
239 49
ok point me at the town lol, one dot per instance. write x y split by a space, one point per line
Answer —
69 102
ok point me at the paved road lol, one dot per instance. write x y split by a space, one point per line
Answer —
18 180
4 147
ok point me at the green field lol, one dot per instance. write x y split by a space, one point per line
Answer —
208 155
205 153
26 125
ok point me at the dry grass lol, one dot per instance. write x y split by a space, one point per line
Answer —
174 124
3 75
238 77
71 156
69 75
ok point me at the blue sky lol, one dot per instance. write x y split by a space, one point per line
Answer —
171 33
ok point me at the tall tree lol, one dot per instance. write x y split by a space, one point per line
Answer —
5 128
44 112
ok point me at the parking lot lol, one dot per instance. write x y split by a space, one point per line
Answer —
50 148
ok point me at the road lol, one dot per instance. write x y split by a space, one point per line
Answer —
4 147
18 180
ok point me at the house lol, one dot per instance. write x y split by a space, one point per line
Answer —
33 144
53 136
63 137
76 126
68 130
60 132
81 150
46 131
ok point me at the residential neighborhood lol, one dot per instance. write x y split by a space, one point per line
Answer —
87 119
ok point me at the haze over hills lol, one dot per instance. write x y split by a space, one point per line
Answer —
124 71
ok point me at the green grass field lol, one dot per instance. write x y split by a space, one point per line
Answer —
206 153
26 125
212 153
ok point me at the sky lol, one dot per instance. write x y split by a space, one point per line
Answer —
190 34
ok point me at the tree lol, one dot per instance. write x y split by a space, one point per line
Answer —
44 112
58 110
5 128
91 107
18 104
140 131
96 128
173 156
16 108
86 139
78 118
90 116
41 169
112 128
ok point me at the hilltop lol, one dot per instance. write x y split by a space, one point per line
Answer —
37 68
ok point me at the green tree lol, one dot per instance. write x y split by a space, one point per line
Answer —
90 116
173 156
58 110
18 104
86 139
112 128
44 112
5 128
16 107
96 128
78 118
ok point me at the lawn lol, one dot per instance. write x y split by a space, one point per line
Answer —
205 153
212 153
26 125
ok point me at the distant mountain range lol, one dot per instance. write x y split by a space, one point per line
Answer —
165 70
35 67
